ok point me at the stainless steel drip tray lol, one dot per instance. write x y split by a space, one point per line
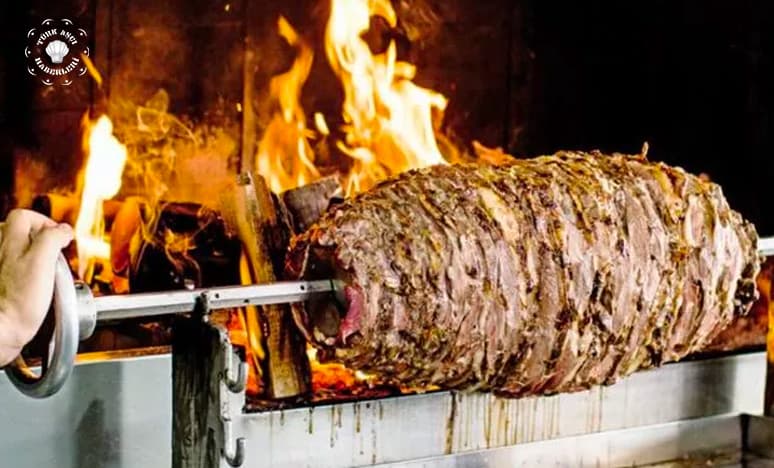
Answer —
719 441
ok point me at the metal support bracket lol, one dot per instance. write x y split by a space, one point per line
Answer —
238 383
235 384
235 457
203 307
233 451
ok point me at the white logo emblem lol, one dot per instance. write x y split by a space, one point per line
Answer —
55 52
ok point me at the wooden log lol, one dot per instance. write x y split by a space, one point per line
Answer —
196 363
280 240
64 208
186 245
253 212
307 203
126 226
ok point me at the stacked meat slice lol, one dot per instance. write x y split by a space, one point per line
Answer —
540 276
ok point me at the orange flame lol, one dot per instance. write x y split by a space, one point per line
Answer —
388 129
101 181
285 158
389 119
251 340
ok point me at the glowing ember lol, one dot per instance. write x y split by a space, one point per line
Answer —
101 181
389 119
285 158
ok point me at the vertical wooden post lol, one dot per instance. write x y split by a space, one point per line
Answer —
103 26
252 212
249 121
197 434
308 203
203 386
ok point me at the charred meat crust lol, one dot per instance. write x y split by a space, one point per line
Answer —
540 276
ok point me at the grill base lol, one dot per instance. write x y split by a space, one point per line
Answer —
117 414
724 441
452 426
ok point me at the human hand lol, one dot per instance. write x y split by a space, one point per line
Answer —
29 246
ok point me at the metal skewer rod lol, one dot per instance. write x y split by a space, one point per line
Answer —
766 246
118 307
174 302
77 311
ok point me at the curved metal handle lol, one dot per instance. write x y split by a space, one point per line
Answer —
70 324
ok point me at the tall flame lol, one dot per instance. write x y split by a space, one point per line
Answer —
285 158
389 119
101 181
388 129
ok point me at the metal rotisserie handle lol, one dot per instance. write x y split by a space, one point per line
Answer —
76 313
71 323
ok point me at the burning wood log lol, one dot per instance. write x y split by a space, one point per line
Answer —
64 208
307 204
186 245
126 225
253 212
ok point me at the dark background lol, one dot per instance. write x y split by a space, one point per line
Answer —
693 78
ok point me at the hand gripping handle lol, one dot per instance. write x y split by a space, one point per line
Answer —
74 319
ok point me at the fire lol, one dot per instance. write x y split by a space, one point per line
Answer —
388 129
329 376
101 181
285 158
389 119
249 324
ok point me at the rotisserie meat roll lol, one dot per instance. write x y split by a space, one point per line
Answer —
543 275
